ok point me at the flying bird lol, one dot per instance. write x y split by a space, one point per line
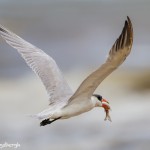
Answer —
63 102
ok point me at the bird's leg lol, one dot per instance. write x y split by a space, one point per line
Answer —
48 121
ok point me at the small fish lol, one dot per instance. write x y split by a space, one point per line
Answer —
107 115
106 106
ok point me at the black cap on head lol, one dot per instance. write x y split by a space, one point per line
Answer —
99 97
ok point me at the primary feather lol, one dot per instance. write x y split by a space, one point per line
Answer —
42 64
118 53
63 103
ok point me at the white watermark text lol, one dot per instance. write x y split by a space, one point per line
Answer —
8 145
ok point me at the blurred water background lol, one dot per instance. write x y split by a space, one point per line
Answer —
78 35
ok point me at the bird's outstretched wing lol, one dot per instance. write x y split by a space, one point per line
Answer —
117 55
42 64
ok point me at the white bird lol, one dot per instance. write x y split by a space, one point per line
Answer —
64 103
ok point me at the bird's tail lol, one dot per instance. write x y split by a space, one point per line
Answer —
45 114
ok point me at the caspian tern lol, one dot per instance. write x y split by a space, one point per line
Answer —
64 103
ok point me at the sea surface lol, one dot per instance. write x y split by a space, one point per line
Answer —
129 129
78 34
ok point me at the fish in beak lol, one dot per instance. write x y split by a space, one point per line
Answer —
106 106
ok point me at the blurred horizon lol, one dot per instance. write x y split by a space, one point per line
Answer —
83 30
78 34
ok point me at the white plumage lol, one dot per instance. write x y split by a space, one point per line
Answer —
64 103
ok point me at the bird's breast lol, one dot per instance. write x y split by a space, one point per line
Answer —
76 109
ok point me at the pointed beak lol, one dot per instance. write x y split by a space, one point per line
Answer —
105 104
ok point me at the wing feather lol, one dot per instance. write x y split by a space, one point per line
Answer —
42 64
118 53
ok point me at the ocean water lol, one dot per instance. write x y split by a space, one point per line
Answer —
129 129
83 32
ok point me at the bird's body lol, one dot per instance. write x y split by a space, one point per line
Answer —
76 108
69 110
64 103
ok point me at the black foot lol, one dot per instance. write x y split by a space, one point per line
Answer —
47 121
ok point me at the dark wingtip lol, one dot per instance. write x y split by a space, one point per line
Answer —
129 22
3 30
130 28
127 31
126 23
128 18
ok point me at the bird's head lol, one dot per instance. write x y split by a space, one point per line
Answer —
101 102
